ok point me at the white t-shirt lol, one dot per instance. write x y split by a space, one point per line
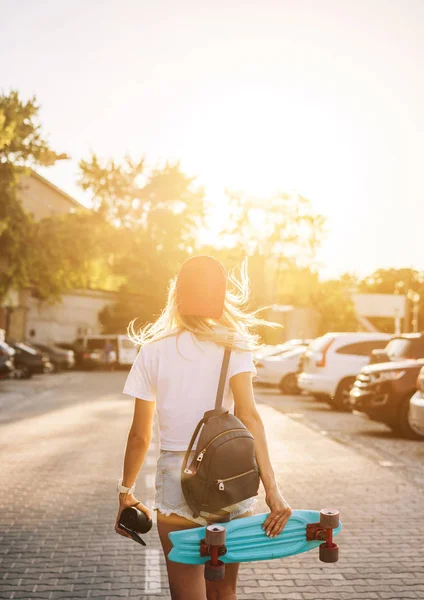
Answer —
183 382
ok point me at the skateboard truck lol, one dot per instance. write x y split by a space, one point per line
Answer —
213 545
323 531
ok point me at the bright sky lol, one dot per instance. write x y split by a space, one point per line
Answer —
324 97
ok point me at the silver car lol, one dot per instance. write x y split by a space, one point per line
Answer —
416 407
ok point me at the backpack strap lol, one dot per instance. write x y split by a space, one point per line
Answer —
222 378
210 413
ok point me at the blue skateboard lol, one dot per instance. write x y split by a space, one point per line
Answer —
244 540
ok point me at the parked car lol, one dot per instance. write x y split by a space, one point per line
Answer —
89 350
60 358
65 345
383 391
281 370
331 363
29 360
7 366
416 407
407 345
275 349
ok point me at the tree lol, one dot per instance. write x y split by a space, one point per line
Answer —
22 143
153 215
22 146
394 281
278 233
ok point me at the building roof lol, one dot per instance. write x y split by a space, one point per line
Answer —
51 185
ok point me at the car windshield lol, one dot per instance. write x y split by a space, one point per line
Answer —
288 353
44 348
282 348
7 348
27 348
320 344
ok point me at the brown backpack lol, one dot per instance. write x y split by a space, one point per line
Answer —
224 468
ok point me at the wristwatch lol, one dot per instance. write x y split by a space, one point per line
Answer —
122 489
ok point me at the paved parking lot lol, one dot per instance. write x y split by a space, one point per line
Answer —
62 441
370 438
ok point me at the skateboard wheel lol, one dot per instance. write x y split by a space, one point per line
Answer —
329 518
215 535
214 572
328 554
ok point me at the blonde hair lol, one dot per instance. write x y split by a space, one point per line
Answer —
236 319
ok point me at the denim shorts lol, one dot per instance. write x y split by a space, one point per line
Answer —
169 494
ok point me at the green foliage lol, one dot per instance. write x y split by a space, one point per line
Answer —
16 235
395 281
115 318
152 218
283 227
332 298
60 264
22 146
22 143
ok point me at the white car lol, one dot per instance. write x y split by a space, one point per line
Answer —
275 349
281 370
416 408
331 363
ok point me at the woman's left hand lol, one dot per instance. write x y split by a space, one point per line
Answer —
279 515
126 500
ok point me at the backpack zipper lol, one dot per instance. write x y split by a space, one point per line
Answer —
200 456
220 482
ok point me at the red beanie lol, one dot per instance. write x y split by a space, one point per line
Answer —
201 287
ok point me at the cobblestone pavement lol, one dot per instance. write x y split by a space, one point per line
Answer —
62 441
370 438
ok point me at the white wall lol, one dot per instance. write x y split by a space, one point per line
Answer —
75 315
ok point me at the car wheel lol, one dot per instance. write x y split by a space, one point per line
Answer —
288 384
341 398
404 425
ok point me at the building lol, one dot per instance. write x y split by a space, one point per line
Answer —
41 198
297 323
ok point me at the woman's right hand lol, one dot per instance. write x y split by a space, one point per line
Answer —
124 501
279 515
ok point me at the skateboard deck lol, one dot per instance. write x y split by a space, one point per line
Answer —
247 541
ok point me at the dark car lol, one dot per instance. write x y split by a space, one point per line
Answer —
89 352
29 360
60 358
407 345
6 360
383 391
86 356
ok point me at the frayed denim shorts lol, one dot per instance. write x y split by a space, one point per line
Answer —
169 496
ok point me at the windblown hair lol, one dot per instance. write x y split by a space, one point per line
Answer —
233 329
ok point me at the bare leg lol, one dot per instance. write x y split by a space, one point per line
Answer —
186 582
227 588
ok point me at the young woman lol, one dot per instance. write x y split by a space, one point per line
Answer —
178 366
